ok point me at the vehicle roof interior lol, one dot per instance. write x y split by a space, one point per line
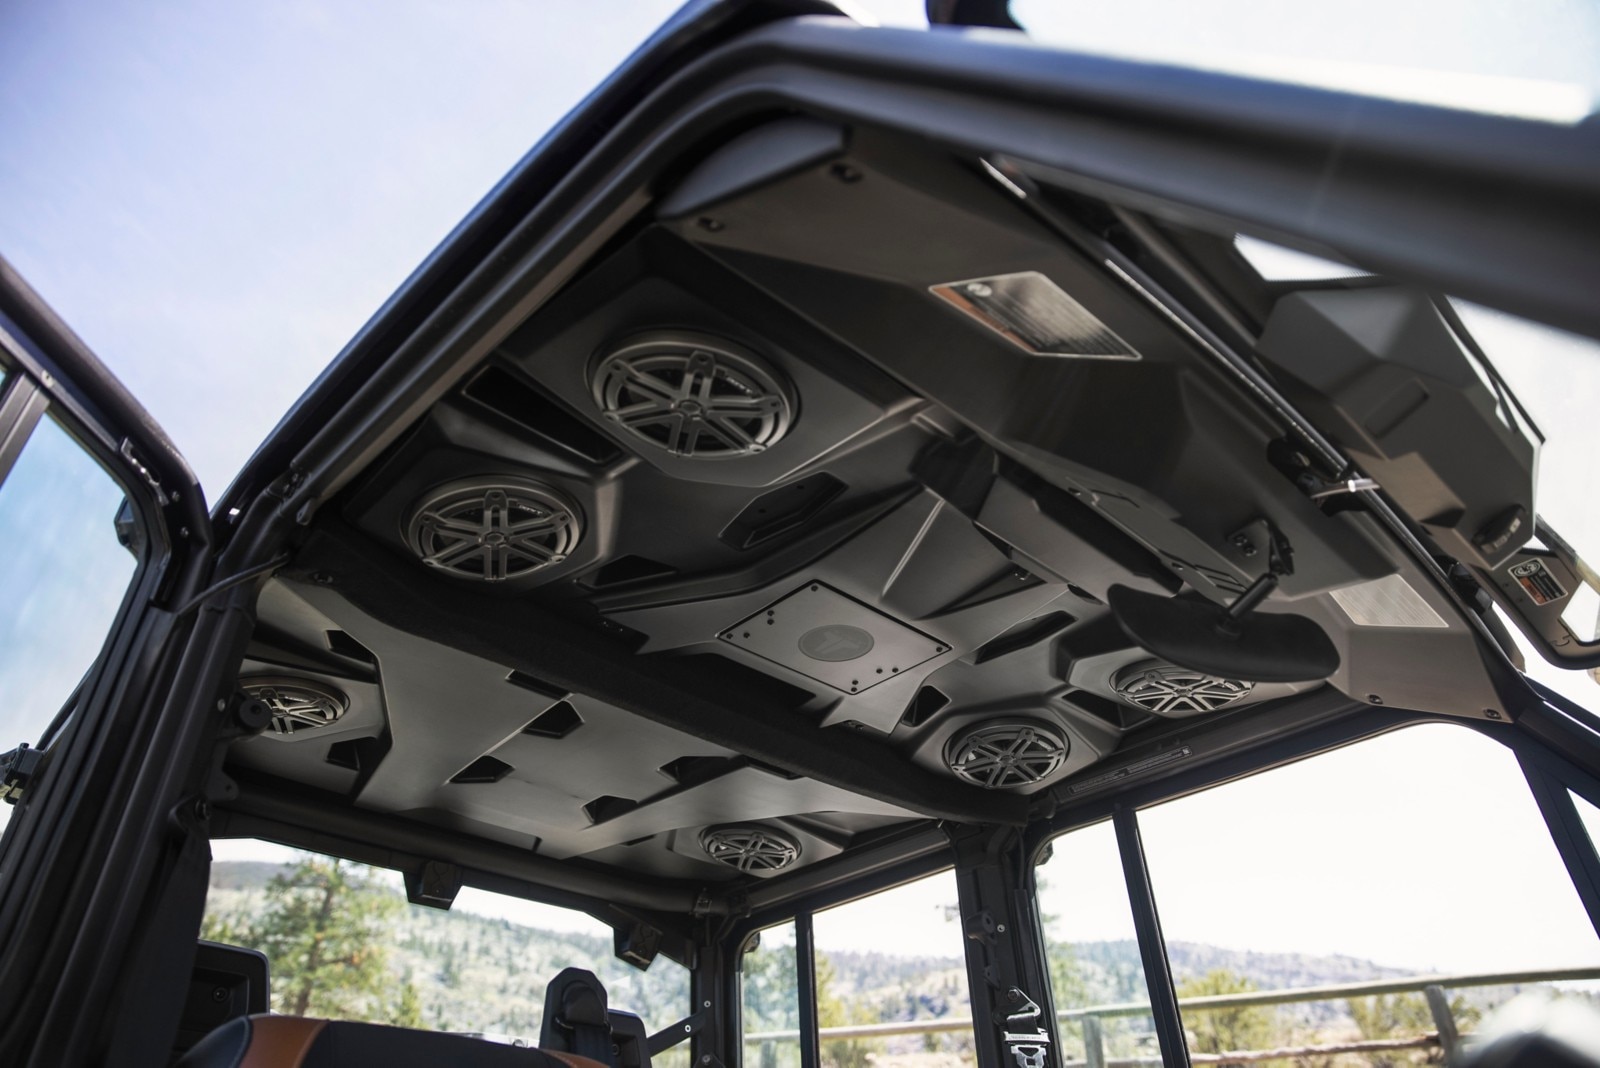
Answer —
771 540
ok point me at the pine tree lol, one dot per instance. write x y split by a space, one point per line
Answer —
322 931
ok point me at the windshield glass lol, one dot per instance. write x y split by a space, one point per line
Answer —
1538 59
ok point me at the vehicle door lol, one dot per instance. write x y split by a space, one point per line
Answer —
106 541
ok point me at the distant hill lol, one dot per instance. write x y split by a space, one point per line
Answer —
243 874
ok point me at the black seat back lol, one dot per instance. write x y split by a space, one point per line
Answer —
576 1018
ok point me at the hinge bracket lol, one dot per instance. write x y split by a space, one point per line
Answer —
17 771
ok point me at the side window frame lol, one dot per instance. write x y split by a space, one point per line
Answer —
801 912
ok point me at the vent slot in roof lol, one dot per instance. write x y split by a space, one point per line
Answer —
557 721
346 754
483 770
510 395
922 707
341 643
536 685
693 770
608 807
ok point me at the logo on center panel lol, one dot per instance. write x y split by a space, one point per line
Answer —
836 642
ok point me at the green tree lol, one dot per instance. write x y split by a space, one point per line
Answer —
322 932
834 1011
1403 1016
1251 1027
408 1012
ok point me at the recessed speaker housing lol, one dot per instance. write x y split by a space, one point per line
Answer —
693 395
298 704
752 848
1169 690
1007 754
492 528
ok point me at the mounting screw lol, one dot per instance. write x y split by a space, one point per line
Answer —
1243 543
322 578
1000 928
1492 713
706 222
222 705
219 993
845 173
705 1004
1374 699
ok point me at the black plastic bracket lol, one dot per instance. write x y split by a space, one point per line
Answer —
17 771
435 886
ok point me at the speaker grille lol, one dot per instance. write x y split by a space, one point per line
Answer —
1006 755
693 396
492 529
750 847
297 704
1169 690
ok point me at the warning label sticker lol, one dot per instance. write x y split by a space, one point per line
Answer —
1537 581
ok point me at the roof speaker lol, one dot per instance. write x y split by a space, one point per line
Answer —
492 529
693 396
1004 755
751 847
297 705
1169 690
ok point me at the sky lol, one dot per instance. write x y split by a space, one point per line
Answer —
217 196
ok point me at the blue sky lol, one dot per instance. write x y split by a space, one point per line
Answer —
216 196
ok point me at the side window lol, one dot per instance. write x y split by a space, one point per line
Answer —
63 575
891 983
1096 973
343 942
1385 865
894 958
769 1000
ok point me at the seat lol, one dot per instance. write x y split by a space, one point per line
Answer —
300 1042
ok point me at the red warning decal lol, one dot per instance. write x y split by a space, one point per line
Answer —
1537 582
